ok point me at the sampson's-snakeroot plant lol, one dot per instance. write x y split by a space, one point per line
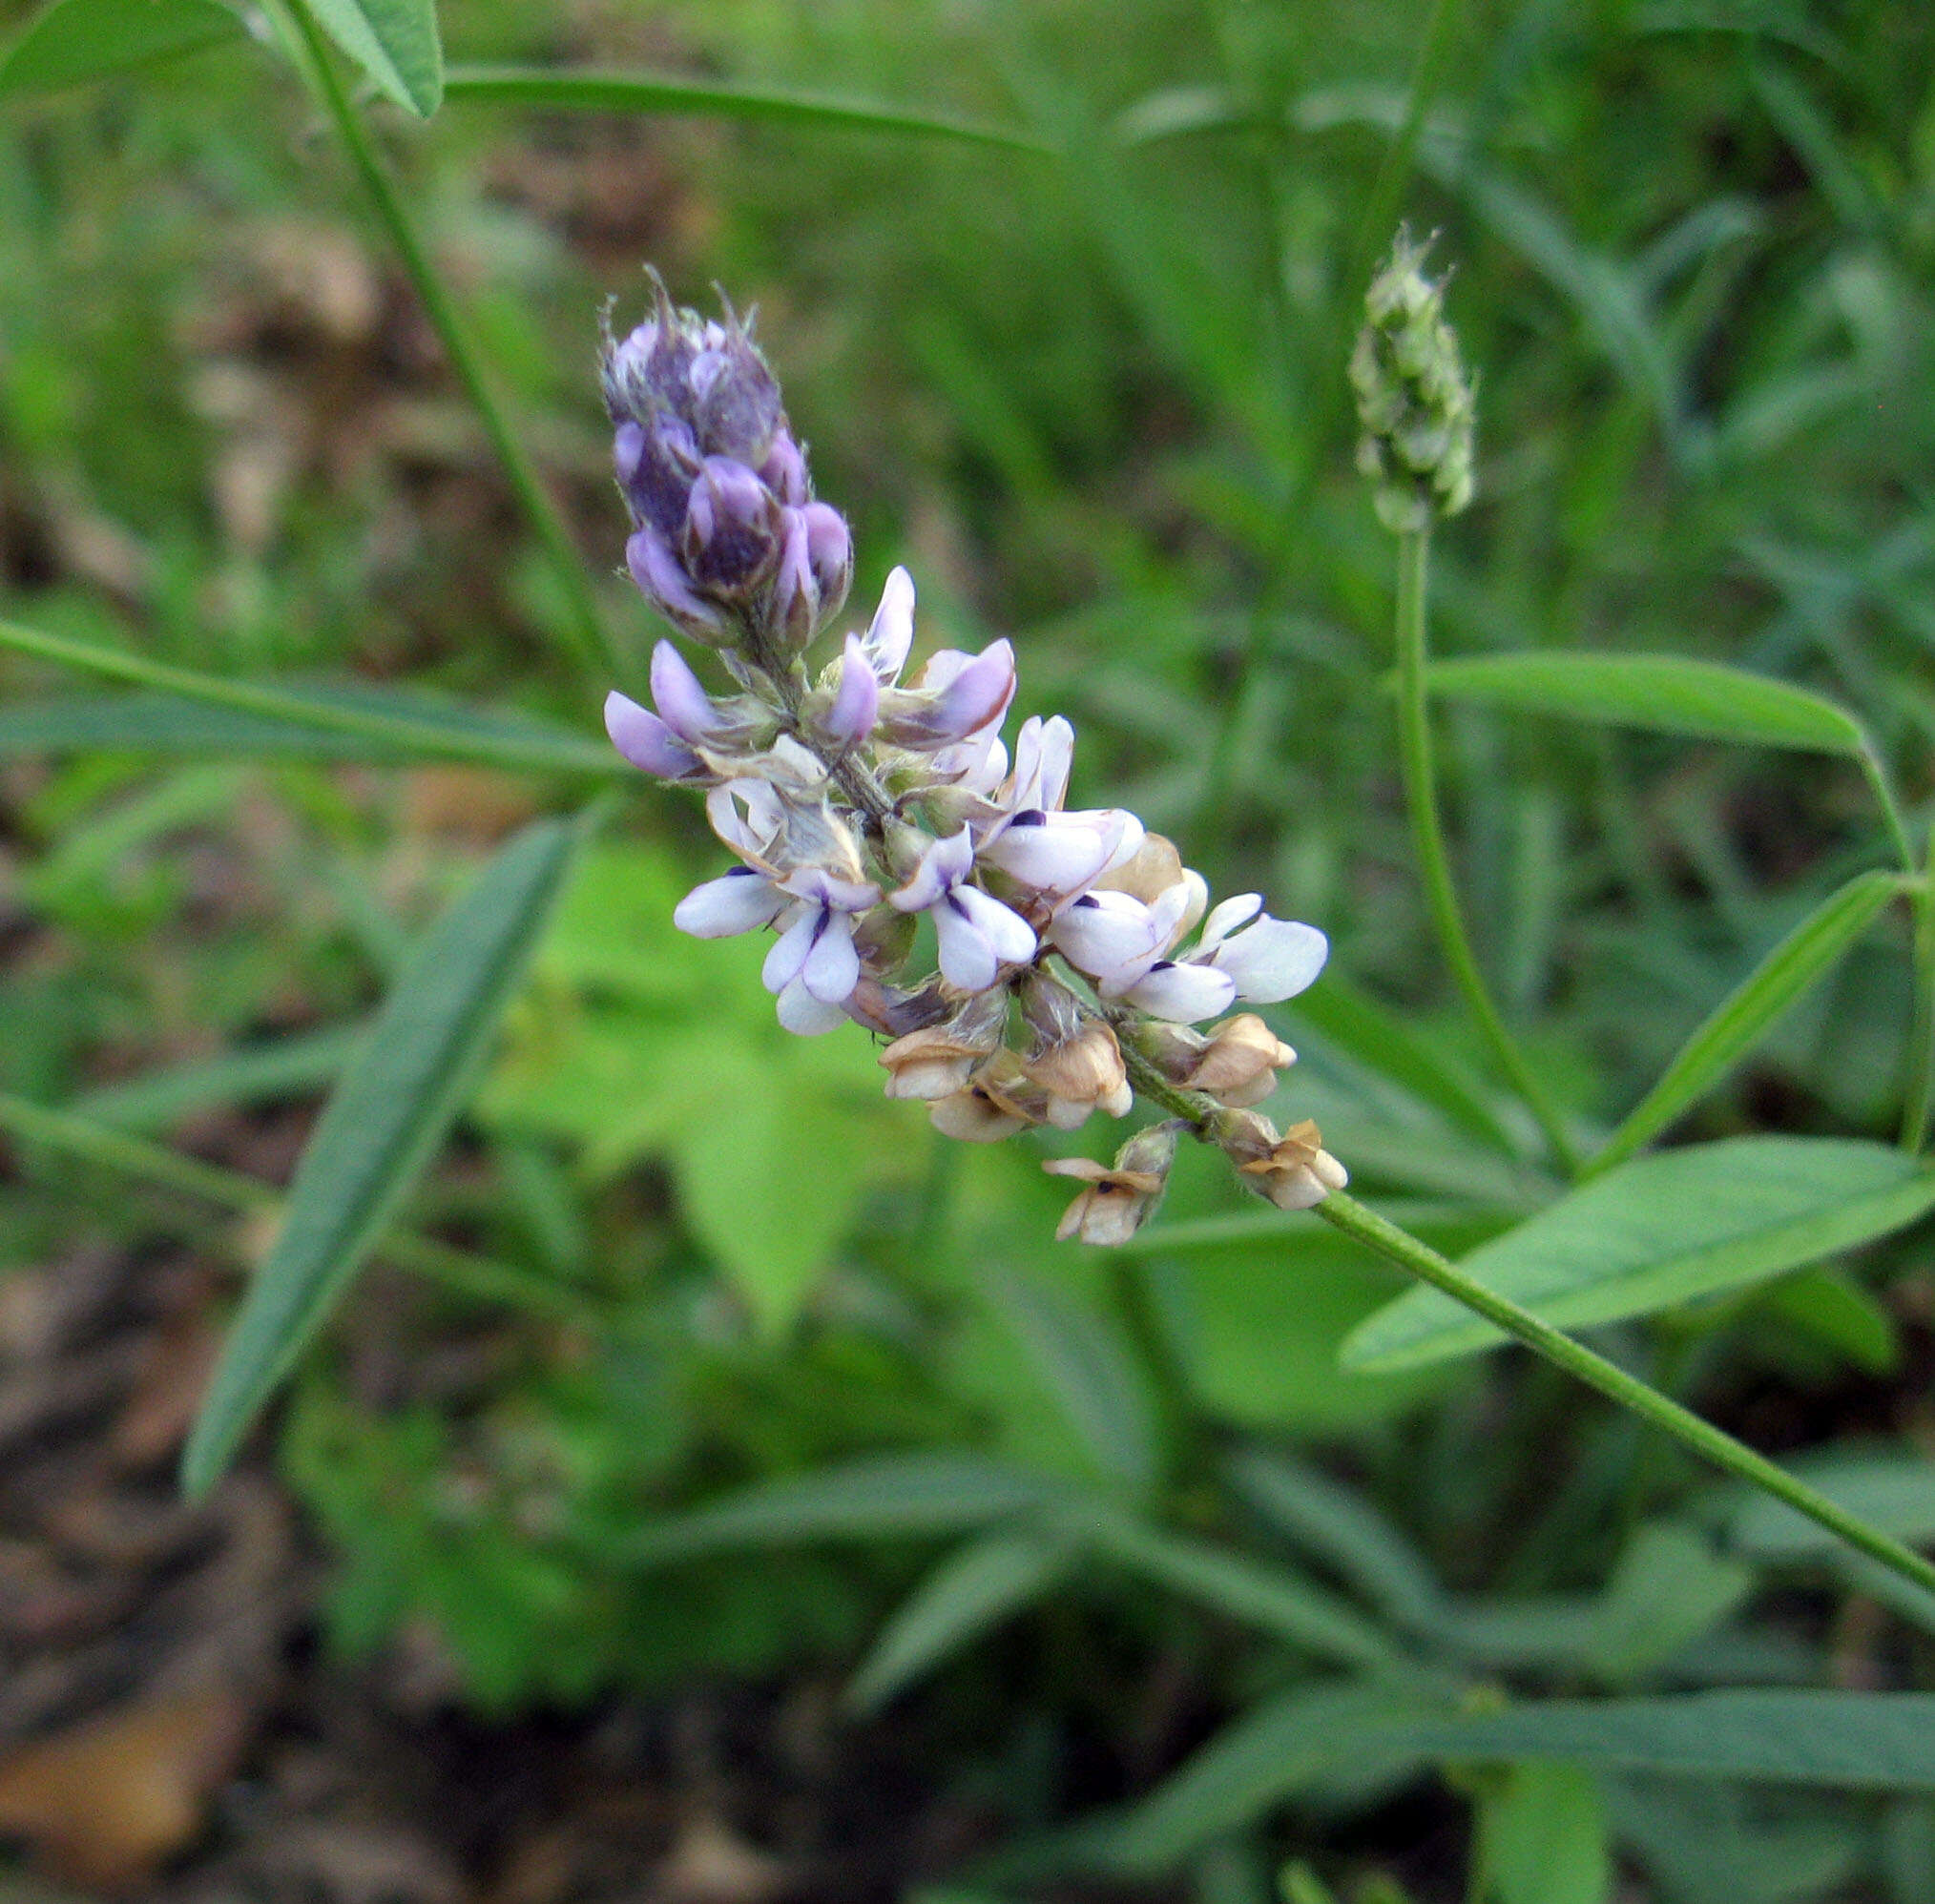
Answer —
1026 963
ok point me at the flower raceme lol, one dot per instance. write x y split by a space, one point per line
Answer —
1027 963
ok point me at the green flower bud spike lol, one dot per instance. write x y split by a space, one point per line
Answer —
1413 395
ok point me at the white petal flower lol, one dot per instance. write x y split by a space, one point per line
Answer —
722 908
977 936
1110 936
812 964
888 640
1182 993
1272 960
1058 853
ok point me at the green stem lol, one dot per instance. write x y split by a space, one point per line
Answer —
588 630
1345 1213
1434 870
115 1150
1877 776
1920 1092
540 752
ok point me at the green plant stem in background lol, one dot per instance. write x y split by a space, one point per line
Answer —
1921 1092
1877 776
634 92
1343 1213
540 752
110 1149
1434 870
589 633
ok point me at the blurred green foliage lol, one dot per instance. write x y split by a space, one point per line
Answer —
1096 400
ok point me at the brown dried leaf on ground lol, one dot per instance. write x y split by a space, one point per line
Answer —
107 1801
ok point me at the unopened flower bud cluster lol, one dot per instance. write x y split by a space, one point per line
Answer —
920 879
1414 400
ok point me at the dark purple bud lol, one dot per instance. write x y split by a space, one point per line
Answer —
731 526
628 452
655 569
735 398
793 610
657 463
785 469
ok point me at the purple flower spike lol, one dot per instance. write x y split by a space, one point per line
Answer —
708 462
646 742
680 697
856 706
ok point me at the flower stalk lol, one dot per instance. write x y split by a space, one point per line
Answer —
1417 764
1343 1213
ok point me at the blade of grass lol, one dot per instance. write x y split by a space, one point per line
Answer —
633 90
89 1143
405 731
590 635
1919 1094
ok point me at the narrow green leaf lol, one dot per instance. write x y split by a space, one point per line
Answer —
1831 1308
1285 1746
245 1075
1894 1491
1340 1527
1757 1005
1271 1598
1661 693
636 92
380 1127
75 41
394 41
1091 1372
1543 1837
1874 1741
1668 1589
885 1496
1660 1231
972 1592
195 714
